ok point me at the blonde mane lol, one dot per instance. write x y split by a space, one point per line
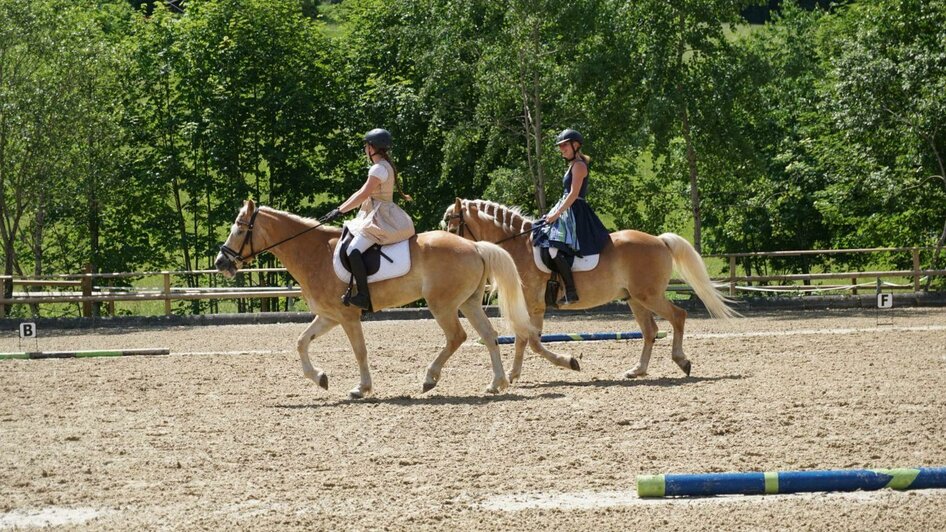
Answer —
509 219
294 217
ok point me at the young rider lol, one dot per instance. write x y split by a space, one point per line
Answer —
572 228
379 220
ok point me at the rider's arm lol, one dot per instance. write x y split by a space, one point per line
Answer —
579 173
365 192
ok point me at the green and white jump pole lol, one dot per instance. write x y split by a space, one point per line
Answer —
34 355
583 337
768 483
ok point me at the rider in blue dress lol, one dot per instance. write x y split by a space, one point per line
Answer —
572 228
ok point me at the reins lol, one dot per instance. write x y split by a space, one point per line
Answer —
234 255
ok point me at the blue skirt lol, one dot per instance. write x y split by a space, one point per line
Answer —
578 231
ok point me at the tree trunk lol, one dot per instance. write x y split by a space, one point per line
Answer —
942 237
694 189
691 151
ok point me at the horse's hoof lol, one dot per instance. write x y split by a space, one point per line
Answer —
323 381
492 390
686 368
428 386
573 363
356 394
634 374
512 378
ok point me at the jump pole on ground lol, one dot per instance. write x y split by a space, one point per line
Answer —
37 355
777 482
583 337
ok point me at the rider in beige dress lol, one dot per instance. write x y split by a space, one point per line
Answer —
379 220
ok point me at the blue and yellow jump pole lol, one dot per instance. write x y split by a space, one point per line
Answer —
767 483
583 337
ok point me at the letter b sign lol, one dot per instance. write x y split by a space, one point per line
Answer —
27 330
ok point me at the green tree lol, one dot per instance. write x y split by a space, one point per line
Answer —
886 96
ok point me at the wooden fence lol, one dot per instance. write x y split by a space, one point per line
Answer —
88 289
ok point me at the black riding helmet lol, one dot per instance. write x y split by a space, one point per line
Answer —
569 135
379 138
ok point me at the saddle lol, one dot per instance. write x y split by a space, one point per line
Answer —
543 261
381 262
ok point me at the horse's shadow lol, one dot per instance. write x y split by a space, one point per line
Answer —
403 400
662 382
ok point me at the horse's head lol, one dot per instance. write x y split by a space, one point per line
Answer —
453 218
239 247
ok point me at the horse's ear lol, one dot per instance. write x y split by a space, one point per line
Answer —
250 206
458 205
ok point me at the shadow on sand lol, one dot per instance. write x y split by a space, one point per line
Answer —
662 382
403 400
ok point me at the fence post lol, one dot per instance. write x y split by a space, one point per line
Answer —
732 275
854 285
916 270
167 293
87 292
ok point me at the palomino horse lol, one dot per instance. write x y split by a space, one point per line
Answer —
636 266
449 272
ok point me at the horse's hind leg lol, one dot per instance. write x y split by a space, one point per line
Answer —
448 321
473 310
538 348
645 320
677 317
319 326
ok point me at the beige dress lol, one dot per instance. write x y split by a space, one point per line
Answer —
379 219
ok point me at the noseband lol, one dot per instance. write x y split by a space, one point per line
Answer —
235 256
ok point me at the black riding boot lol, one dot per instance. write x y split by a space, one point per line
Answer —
571 295
362 299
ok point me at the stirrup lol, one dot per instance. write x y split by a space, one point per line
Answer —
570 297
362 301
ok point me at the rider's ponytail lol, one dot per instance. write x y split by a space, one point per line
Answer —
397 183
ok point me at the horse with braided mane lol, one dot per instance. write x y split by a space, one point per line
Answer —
635 266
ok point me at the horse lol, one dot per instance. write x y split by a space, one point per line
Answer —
450 273
635 266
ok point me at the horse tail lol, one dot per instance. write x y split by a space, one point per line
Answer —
504 279
693 270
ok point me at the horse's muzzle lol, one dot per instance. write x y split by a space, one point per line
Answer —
225 266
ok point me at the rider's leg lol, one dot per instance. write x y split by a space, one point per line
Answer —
561 264
358 245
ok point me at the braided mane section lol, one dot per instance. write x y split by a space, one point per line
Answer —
509 219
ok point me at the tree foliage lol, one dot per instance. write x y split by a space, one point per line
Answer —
130 133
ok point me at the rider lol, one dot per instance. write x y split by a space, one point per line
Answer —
572 228
379 220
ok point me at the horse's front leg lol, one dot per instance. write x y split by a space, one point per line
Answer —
319 326
357 339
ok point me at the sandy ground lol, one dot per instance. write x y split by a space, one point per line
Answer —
207 439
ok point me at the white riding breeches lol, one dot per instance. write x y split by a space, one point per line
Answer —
360 243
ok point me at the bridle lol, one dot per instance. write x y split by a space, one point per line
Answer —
237 256
234 256
462 226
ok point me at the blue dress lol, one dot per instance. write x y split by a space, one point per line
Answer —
578 230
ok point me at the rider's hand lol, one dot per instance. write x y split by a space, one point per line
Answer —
333 215
551 217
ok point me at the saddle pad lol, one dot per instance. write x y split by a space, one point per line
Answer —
581 264
400 254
